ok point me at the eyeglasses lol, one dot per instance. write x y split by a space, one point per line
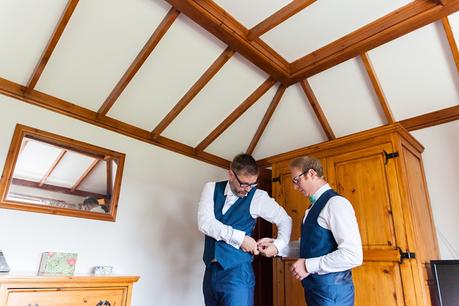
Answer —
244 185
296 179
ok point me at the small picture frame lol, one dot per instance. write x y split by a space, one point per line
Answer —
3 265
57 263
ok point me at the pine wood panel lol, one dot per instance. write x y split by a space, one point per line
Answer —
378 284
66 297
294 293
360 177
65 290
420 206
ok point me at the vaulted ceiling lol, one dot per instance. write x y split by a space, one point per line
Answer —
210 79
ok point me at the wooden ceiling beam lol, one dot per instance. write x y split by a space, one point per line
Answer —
451 40
264 122
52 43
216 21
53 166
85 174
192 92
109 171
431 119
393 25
54 188
278 17
377 87
140 59
60 106
260 91
317 109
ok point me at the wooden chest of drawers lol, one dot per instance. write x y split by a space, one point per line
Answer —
66 291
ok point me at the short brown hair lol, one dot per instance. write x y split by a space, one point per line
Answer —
244 163
307 162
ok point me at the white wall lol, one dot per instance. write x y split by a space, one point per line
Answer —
441 163
155 234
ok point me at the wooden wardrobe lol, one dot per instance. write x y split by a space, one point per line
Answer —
380 171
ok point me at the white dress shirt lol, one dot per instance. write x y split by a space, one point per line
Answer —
262 206
338 216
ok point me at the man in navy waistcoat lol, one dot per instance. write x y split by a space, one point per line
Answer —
330 244
227 215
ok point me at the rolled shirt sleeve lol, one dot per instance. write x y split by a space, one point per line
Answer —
339 217
265 207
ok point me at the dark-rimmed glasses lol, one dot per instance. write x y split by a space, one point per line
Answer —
242 184
296 179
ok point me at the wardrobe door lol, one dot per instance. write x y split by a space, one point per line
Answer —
369 181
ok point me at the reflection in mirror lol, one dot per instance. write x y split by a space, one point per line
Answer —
54 174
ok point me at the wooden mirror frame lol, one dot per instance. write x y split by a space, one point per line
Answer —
22 131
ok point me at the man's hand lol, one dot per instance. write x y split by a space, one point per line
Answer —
298 269
267 247
249 245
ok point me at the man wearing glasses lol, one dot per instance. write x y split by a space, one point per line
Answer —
330 244
227 215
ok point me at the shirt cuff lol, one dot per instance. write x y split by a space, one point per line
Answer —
280 245
312 264
237 238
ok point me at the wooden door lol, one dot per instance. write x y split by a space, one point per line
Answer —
369 181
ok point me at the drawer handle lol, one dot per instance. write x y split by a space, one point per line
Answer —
102 303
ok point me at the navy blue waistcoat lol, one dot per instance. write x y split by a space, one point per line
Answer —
238 217
317 241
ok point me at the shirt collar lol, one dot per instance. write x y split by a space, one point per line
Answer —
320 191
228 191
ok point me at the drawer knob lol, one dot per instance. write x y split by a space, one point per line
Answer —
102 303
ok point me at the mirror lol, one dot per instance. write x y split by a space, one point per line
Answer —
53 174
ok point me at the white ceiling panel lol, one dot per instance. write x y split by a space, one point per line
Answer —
96 181
324 22
69 169
250 13
25 28
237 137
100 42
292 126
454 23
347 98
417 72
171 69
226 91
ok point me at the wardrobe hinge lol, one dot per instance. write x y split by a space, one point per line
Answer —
406 255
276 179
388 156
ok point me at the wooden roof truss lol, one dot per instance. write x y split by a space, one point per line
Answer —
247 42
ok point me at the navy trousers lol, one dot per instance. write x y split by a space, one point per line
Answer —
330 295
231 287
